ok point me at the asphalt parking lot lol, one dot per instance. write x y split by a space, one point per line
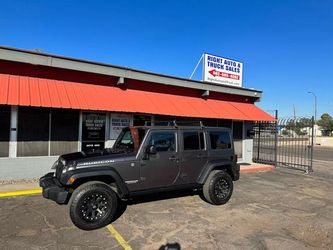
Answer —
281 209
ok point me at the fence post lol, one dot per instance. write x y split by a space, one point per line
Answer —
310 169
258 152
276 139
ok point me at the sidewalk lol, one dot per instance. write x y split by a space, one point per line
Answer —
18 186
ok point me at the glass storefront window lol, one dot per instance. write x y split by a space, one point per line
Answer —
33 131
4 130
64 131
37 137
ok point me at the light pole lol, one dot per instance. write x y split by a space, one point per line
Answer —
315 99
315 114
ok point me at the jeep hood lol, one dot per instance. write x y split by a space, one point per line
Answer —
81 157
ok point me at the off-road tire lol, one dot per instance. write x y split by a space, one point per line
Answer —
93 205
218 187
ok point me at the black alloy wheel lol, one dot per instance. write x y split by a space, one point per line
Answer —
218 187
221 189
93 205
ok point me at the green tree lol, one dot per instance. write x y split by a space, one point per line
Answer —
326 124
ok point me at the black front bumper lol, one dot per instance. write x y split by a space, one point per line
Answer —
53 190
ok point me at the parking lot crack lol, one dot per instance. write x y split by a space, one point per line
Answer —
47 223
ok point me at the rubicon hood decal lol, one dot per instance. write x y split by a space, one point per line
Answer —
94 163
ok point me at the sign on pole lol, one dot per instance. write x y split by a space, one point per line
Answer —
222 70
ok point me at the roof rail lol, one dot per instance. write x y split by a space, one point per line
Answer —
201 124
175 123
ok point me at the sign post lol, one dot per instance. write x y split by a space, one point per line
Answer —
222 70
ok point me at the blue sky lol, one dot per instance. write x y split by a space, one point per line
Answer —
286 46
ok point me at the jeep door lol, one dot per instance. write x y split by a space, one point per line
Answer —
161 168
193 155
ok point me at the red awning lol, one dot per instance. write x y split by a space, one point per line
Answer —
40 92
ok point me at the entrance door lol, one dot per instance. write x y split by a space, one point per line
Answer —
93 131
161 169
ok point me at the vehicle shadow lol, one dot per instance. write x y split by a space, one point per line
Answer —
170 246
122 205
162 196
121 208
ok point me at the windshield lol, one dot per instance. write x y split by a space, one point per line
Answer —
129 140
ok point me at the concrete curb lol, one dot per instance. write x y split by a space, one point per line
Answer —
18 186
251 168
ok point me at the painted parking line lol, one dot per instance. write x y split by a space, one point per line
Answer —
22 192
119 238
111 229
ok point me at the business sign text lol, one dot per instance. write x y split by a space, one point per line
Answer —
222 70
118 122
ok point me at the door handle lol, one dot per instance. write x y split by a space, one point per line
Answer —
199 156
173 158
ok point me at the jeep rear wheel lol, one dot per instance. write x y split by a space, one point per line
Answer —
93 205
218 187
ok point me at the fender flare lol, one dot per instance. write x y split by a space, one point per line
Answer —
122 188
209 167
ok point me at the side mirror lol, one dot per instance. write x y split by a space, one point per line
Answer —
151 150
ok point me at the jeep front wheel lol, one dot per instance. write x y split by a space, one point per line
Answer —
218 187
93 205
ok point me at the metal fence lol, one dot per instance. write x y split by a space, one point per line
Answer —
285 143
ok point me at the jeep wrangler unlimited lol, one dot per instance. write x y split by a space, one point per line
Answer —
143 160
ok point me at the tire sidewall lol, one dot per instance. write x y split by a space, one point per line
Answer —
78 197
220 175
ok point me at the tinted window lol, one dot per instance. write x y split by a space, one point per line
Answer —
220 140
191 140
163 141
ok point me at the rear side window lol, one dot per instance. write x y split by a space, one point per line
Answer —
191 140
219 140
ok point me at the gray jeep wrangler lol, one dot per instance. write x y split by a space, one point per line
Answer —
143 160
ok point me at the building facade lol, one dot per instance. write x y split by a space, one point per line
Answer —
51 105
